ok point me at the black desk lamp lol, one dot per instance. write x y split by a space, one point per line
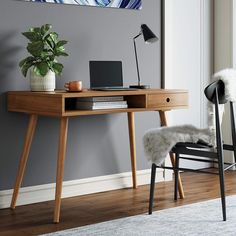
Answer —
149 37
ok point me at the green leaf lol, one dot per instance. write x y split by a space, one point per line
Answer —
35 30
45 28
54 37
36 70
22 62
32 36
42 68
26 60
51 40
46 54
25 68
51 58
61 54
61 43
35 48
50 65
57 68
60 49
50 43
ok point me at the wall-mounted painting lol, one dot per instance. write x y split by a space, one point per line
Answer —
129 4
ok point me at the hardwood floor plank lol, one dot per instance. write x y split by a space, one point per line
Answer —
35 219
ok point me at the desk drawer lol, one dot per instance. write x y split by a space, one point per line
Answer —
168 100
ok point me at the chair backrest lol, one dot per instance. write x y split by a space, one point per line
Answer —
210 92
215 93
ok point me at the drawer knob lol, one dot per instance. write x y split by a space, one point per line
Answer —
168 99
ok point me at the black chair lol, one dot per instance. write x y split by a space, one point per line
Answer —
215 94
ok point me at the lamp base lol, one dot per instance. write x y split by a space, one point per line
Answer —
140 86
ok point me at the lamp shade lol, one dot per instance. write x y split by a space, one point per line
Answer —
148 35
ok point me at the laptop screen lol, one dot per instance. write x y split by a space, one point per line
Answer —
105 74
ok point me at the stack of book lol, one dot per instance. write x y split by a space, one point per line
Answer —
96 103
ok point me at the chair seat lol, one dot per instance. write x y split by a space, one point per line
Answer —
196 149
199 144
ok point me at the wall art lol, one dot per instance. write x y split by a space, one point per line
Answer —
128 4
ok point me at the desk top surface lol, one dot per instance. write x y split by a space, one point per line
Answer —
93 93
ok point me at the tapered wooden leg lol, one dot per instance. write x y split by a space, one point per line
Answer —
172 155
60 167
132 147
24 158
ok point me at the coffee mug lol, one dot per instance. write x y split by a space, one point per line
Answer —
73 86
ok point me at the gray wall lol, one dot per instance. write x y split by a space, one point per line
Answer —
97 145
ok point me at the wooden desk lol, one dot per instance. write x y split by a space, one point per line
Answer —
61 104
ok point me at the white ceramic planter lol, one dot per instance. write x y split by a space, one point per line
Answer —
39 83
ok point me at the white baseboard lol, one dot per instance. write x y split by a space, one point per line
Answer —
46 192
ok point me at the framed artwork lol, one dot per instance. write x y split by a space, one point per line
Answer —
128 4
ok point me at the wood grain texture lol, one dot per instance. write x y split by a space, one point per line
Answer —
168 100
60 167
53 103
40 105
113 111
172 155
24 157
35 219
131 125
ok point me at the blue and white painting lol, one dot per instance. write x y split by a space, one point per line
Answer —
129 4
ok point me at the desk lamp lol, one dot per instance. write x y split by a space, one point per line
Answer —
149 37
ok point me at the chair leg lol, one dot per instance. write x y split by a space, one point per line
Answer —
222 186
176 173
233 127
220 155
152 187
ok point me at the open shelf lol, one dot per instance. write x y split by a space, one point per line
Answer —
133 101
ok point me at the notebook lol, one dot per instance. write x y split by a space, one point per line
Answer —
106 75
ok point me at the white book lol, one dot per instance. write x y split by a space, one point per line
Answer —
99 107
87 103
101 99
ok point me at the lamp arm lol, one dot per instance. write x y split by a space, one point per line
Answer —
138 35
136 56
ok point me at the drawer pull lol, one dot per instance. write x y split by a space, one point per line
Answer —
168 99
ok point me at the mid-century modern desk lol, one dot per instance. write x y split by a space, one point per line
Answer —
61 104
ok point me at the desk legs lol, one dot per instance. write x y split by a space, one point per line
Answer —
172 155
132 147
24 157
60 167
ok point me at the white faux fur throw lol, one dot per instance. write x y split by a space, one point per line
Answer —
158 142
228 76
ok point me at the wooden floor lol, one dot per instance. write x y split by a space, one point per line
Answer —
36 219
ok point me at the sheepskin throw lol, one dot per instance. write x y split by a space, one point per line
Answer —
159 142
228 76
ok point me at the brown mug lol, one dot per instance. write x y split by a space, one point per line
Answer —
73 86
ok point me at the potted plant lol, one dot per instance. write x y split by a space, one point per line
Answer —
44 47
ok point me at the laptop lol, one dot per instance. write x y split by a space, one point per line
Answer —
106 76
